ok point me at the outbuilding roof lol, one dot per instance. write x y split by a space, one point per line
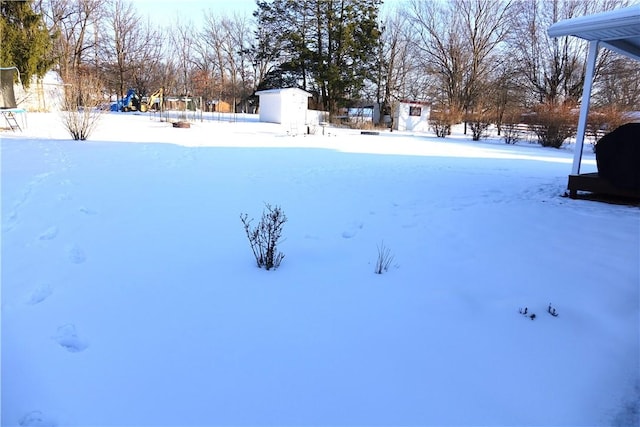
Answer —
410 101
617 30
281 90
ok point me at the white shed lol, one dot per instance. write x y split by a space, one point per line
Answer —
412 116
286 106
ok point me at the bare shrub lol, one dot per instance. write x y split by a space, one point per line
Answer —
552 124
364 125
478 123
265 237
384 260
604 120
440 127
510 133
511 130
82 106
440 122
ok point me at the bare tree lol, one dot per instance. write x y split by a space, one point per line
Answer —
399 76
203 68
213 37
507 95
236 29
122 23
75 24
618 84
485 24
146 58
182 37
439 45
457 42
553 69
227 48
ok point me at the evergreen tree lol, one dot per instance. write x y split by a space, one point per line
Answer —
25 40
327 47
282 37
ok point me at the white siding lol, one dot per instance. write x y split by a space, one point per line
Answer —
270 108
416 123
286 106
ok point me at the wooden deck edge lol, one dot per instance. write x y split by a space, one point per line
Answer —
593 183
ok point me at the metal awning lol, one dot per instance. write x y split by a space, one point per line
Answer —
617 30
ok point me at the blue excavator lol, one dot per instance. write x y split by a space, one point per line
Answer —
133 102
129 103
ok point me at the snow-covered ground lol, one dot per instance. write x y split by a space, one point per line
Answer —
130 295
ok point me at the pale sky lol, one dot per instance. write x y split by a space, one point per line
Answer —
165 12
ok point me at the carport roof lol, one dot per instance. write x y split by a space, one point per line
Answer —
617 30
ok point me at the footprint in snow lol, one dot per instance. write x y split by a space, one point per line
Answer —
353 230
68 338
35 419
88 211
39 294
76 254
49 234
10 221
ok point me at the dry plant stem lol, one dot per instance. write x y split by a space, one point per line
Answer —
384 259
265 237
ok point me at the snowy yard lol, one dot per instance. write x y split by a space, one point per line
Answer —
130 295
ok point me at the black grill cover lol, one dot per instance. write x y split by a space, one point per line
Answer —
618 157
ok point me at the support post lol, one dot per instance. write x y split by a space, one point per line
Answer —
584 107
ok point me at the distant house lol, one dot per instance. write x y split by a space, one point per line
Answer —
412 116
218 106
365 113
180 103
285 106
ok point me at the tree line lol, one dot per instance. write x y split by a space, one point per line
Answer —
475 61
